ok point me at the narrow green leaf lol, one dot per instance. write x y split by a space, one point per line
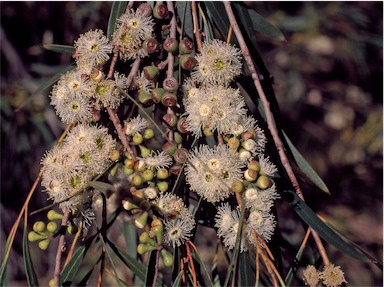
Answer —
305 167
118 8
184 8
60 48
306 213
197 257
28 264
246 275
136 266
260 24
130 235
3 268
291 272
104 187
46 85
178 279
70 270
217 14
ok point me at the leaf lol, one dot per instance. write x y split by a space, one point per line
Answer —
28 264
118 8
104 187
70 270
46 85
305 167
306 213
246 275
178 279
197 257
217 14
184 8
130 236
136 266
60 48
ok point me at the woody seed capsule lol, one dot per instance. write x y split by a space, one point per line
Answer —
170 84
145 9
169 99
170 44
170 119
186 46
151 45
187 62
160 11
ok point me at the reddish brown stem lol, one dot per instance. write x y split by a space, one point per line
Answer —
60 249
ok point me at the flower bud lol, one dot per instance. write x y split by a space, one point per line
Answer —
52 227
170 120
141 221
151 45
148 134
144 151
129 163
248 144
170 44
254 165
150 72
144 248
181 155
187 62
170 84
53 214
137 180
263 182
145 9
113 170
158 230
233 143
137 139
162 186
250 175
127 170
169 99
244 154
39 226
33 236
145 98
237 186
138 195
170 147
114 155
157 94
148 175
167 258
186 46
43 244
97 75
139 165
160 11
162 173
182 125
249 134
177 137
128 204
145 238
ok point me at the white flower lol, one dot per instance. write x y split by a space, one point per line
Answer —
92 48
135 125
260 199
263 223
266 167
179 230
157 160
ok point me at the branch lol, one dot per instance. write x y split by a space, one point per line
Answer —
172 34
269 118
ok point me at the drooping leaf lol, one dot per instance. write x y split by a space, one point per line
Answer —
246 275
60 48
104 187
70 270
217 14
46 85
197 257
28 264
178 279
324 231
184 8
118 8
305 167
130 236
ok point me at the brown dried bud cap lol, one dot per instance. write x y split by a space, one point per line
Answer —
187 62
145 9
182 125
186 46
181 155
170 119
151 45
170 84
170 44
169 99
160 11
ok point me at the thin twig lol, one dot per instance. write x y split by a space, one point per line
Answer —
113 62
73 245
156 268
196 28
172 34
269 118
60 249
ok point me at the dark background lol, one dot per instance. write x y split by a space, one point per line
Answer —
328 80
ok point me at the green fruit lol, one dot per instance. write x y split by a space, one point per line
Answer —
148 175
141 221
158 230
43 244
162 186
137 139
144 151
143 248
137 180
128 171
52 227
39 226
145 238
167 258
52 215
162 173
33 236
148 134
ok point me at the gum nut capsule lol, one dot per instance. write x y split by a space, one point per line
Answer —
186 46
177 137
182 125
143 248
170 120
151 45
181 155
167 258
43 244
53 214
145 98
33 236
169 99
141 221
150 72
145 238
160 11
170 44
187 62
263 182
162 173
170 147
148 134
145 9
170 84
157 94
52 227
39 226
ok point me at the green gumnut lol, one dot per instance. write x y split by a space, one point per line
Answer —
162 186
143 248
43 244
52 227
145 238
137 180
53 214
263 182
158 230
148 175
148 134
39 226
141 221
144 151
162 173
137 139
33 236
128 171
167 258
150 72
